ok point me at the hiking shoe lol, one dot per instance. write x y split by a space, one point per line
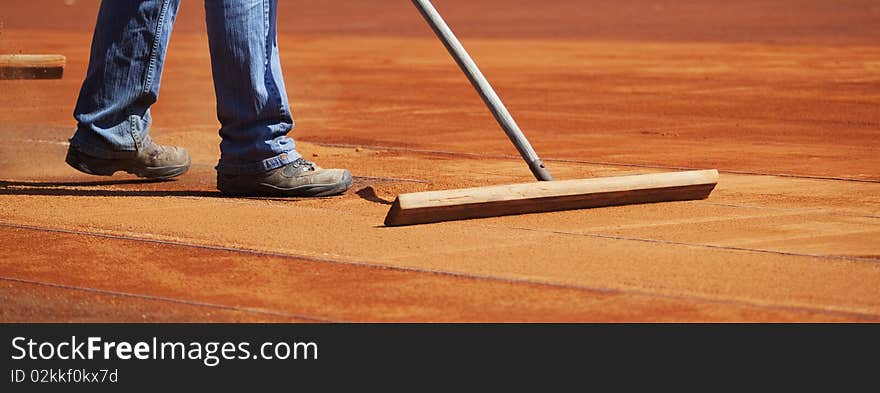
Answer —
153 161
300 178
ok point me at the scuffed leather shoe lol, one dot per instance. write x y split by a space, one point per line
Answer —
153 161
300 178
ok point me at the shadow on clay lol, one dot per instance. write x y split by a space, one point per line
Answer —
66 188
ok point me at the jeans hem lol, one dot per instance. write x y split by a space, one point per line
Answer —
258 167
94 150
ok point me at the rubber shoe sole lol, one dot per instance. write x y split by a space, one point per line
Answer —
107 167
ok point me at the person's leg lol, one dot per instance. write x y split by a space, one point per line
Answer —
122 82
253 109
251 99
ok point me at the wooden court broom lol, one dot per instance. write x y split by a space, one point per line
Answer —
27 66
542 196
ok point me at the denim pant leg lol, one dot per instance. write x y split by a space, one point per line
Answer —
252 103
125 67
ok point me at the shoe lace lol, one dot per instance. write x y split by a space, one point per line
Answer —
159 150
301 162
155 150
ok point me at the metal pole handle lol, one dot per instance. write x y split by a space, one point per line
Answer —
484 88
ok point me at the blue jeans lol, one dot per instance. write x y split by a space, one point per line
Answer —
125 68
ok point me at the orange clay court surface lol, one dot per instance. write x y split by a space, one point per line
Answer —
782 97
